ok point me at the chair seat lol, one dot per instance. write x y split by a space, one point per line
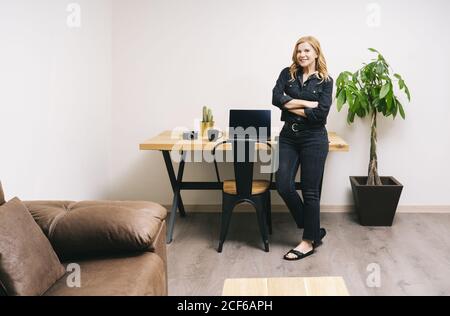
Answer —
258 186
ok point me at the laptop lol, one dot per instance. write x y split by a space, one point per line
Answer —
254 123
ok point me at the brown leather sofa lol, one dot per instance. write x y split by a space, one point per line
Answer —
119 247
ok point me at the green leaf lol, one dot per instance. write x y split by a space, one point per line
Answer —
364 103
346 74
340 79
373 50
381 106
380 69
350 117
361 112
349 99
368 72
398 76
341 100
363 76
385 89
352 88
395 108
358 109
389 97
407 93
400 108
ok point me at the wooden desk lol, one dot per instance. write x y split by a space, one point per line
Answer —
173 140
316 286
167 140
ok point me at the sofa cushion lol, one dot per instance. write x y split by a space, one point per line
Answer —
2 196
93 228
28 264
131 275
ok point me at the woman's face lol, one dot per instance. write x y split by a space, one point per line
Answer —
306 55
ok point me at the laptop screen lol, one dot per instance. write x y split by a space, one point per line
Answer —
254 123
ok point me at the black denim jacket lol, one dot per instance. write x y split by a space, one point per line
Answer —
312 89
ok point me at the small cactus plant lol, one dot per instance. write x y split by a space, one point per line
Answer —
207 115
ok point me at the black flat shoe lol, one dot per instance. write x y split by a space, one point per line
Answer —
317 243
298 255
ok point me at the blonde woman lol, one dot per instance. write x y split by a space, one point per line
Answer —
303 92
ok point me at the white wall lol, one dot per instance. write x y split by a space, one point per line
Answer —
172 57
169 58
55 91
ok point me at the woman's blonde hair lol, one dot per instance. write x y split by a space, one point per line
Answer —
321 64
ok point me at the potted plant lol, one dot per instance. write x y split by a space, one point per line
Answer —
207 121
369 91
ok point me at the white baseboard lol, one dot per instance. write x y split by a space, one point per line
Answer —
279 208
423 209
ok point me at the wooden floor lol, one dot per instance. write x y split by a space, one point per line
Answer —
412 256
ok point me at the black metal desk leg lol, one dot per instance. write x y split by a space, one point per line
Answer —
173 214
175 182
177 202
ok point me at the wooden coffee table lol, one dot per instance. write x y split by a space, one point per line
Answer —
314 286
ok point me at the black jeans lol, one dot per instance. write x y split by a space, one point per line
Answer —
307 149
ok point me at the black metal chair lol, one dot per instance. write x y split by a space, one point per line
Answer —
244 188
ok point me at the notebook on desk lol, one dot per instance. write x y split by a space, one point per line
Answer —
254 124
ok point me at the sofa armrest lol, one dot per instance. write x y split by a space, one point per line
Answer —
98 228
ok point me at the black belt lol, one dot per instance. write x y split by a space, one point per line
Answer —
296 127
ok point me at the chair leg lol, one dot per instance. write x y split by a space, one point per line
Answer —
227 209
269 212
260 205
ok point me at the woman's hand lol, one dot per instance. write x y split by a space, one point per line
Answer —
311 104
300 104
298 112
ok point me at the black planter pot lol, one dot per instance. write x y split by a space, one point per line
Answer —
376 204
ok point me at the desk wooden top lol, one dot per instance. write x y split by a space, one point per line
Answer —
173 140
315 286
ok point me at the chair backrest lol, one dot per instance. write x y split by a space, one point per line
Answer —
243 161
244 153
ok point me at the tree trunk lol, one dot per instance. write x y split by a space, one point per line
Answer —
373 178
